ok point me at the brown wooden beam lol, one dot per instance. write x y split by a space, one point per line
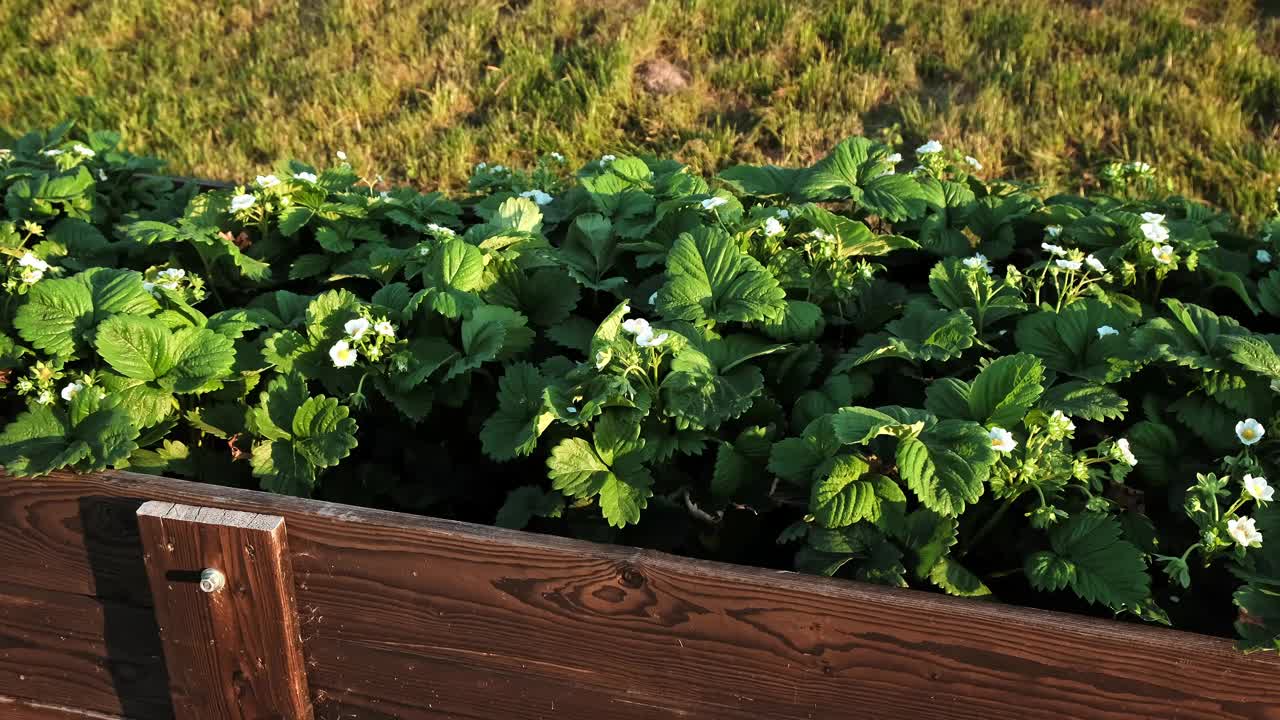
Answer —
222 582
415 618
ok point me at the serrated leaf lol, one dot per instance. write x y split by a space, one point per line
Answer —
525 503
59 315
947 465
1078 398
513 429
1089 556
710 279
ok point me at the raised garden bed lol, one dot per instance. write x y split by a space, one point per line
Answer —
925 379
411 617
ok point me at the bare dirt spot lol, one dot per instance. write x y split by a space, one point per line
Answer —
661 77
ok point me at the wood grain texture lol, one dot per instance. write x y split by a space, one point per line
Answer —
235 653
410 617
16 709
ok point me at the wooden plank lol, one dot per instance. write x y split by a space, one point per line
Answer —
72 650
410 617
222 583
16 709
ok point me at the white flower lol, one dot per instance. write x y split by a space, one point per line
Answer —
1249 431
31 276
1068 264
356 327
266 181
1244 531
1258 488
571 410
45 397
606 159
977 262
933 146
71 389
1053 249
1002 440
241 202
784 213
772 227
1105 330
1263 256
648 339
305 176
1163 254
102 175
480 166
602 359
342 156
1152 217
385 329
499 168
440 229
149 287
557 157
712 203
85 151
653 299
1060 420
894 159
537 196
1139 167
1095 263
1126 452
1053 231
173 273
52 153
973 162
384 196
343 355
1155 232
636 326
29 260
822 235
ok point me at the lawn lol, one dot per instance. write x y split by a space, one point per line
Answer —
419 91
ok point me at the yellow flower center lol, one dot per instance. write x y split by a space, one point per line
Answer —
1248 433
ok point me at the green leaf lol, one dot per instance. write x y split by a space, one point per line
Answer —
186 361
60 314
577 470
800 321
947 465
1002 393
710 279
454 271
1077 398
849 494
1069 342
322 432
858 425
1089 556
95 435
922 333
760 180
513 429
1195 337
525 503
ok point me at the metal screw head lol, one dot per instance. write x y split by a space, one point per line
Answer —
212 580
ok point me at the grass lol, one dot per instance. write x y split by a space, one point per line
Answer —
419 90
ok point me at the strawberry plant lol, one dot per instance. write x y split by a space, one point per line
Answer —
924 378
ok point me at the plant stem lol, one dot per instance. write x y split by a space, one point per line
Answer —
991 522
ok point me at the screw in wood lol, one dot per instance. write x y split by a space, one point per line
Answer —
212 580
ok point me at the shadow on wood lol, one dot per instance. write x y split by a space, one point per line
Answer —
130 635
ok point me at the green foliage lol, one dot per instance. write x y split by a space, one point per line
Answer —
630 352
